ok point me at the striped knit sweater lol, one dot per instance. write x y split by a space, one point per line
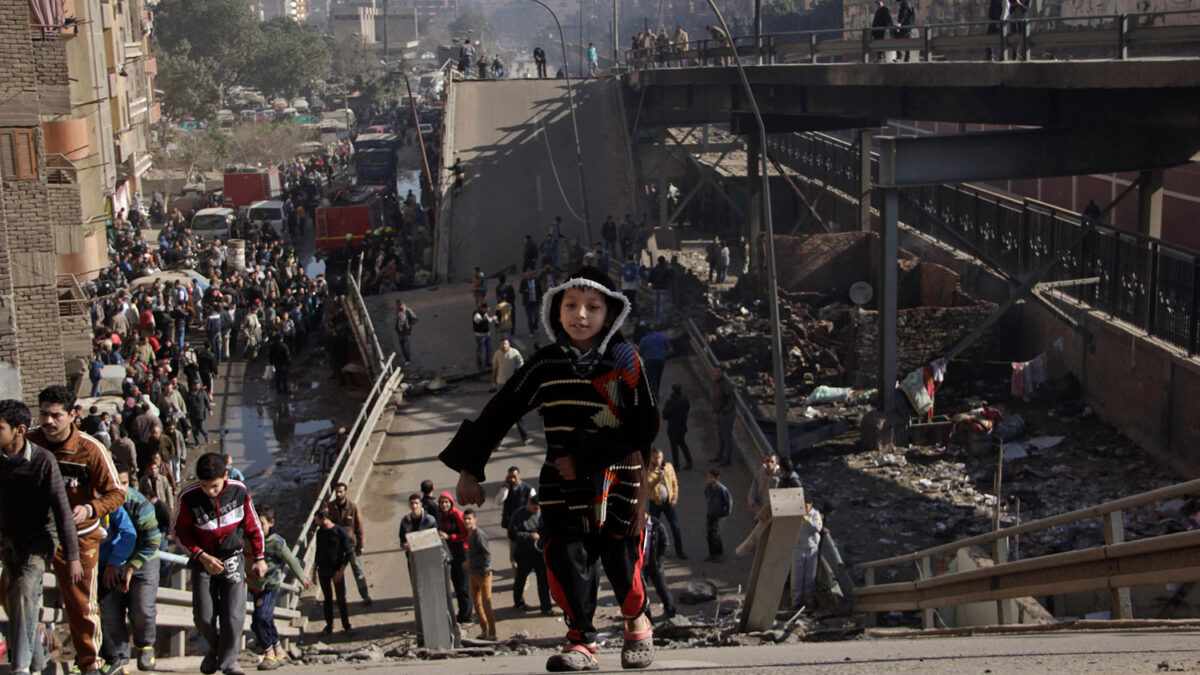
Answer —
599 413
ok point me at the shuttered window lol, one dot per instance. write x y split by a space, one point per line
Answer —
18 154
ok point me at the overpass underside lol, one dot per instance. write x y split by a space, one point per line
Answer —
1055 119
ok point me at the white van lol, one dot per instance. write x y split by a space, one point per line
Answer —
272 212
212 222
300 104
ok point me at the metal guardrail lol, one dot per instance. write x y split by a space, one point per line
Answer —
749 423
1118 565
1119 36
349 455
363 327
1149 283
72 299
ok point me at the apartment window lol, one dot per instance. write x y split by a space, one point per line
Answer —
18 154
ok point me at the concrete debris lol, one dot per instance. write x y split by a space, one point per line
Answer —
698 590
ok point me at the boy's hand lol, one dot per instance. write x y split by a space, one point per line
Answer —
258 569
566 467
469 490
211 564
75 570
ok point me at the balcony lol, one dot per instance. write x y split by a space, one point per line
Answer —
50 67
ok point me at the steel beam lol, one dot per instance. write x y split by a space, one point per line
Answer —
1036 153
743 123
888 279
864 179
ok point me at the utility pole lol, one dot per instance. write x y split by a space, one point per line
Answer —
616 43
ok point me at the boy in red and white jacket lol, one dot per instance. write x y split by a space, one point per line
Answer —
216 520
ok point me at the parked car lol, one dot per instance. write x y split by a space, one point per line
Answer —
316 105
213 222
270 211
300 104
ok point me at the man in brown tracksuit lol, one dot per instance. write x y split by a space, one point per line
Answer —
93 492
345 513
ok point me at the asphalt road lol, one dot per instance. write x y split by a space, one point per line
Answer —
1063 653
515 141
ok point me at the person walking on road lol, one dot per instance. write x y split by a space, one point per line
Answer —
215 524
478 286
506 361
724 405
600 419
415 520
280 358
334 551
33 507
718 504
655 348
265 591
136 594
405 320
199 407
675 412
660 278
765 480
345 514
593 60
531 290
94 491
663 490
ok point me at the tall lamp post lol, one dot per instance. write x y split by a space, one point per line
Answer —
562 41
782 442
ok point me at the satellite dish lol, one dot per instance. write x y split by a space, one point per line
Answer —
860 293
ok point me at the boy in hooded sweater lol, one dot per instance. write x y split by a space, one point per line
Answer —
600 419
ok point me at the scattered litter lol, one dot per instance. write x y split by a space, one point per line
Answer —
1045 442
1014 451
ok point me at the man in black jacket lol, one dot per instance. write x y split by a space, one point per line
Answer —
675 412
280 358
333 554
655 542
531 291
527 534
882 21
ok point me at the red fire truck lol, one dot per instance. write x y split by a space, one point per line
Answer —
245 185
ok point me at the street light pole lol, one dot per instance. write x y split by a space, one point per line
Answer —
562 41
782 442
616 44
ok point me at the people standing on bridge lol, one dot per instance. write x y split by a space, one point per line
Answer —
631 278
334 551
654 543
556 238
718 504
721 38
346 515
428 501
454 533
627 232
608 232
998 14
679 40
93 491
265 591
482 63
280 358
478 286
505 363
655 348
504 321
588 365
504 290
593 60
33 507
417 518
805 555
724 405
881 22
529 255
663 489
527 532
675 412
133 589
466 56
481 326
906 16
217 526
406 319
539 59
479 574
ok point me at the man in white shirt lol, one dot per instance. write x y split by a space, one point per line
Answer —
506 361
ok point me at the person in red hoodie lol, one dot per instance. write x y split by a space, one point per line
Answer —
454 532
215 520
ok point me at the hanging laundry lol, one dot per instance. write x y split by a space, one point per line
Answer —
1029 376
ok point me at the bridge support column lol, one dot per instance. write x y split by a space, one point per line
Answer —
776 544
1114 533
887 278
1150 209
864 179
754 203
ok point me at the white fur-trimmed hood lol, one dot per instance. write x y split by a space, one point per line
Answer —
580 282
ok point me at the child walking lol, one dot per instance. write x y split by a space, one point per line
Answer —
265 591
600 419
